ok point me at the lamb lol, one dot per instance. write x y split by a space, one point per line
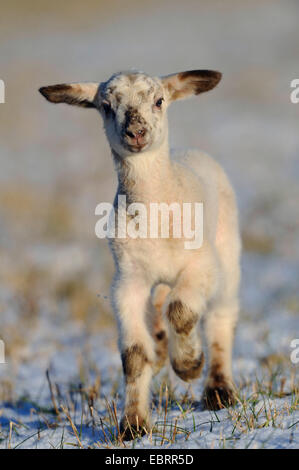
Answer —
161 290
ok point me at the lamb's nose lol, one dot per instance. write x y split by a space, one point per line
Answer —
136 134
130 134
141 132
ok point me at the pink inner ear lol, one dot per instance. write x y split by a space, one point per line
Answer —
185 84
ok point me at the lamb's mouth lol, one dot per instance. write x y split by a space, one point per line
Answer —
135 148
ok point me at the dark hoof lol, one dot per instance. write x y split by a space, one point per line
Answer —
188 369
216 398
130 430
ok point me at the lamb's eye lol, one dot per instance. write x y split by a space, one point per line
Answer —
106 107
159 102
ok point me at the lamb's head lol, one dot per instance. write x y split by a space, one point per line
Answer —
133 105
134 112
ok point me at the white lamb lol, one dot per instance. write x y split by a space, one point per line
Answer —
183 284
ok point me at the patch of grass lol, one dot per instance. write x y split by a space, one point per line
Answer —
253 243
252 413
84 418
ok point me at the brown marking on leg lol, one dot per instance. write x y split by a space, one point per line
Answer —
181 317
161 341
189 368
134 360
218 392
217 348
187 365
160 336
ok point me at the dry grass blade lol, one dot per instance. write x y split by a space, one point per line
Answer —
52 395
72 426
11 423
116 424
174 431
218 400
130 427
104 433
165 414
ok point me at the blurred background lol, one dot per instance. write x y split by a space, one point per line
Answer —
55 167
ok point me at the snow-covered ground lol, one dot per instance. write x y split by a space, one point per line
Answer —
61 384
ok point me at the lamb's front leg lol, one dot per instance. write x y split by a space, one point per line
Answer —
137 352
187 301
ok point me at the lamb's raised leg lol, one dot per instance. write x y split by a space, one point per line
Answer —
219 327
186 303
137 352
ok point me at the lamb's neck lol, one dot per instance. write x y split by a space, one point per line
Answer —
144 177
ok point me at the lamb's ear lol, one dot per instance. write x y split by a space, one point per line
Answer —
79 94
184 84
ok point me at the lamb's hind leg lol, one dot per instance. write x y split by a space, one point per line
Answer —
219 326
159 328
137 352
